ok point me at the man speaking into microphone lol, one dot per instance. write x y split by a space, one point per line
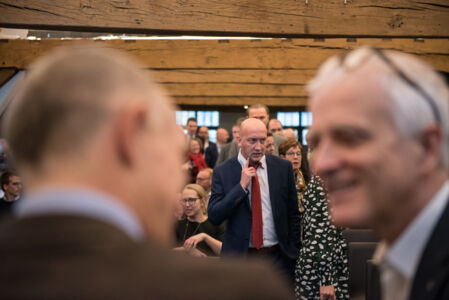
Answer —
256 194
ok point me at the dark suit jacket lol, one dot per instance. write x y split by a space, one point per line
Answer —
230 202
211 155
431 280
62 257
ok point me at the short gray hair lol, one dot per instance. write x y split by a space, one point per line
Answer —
410 111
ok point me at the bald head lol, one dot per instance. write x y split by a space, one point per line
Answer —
253 134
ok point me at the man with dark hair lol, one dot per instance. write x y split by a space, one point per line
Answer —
102 182
12 189
209 148
191 127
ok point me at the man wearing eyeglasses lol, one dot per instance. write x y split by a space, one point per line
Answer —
256 194
380 138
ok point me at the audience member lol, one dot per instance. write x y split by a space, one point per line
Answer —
195 158
196 234
102 183
291 151
322 267
261 112
275 127
12 189
231 149
204 179
210 148
191 127
269 144
290 134
380 136
222 138
256 194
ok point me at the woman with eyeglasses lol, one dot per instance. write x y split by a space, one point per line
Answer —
322 266
195 234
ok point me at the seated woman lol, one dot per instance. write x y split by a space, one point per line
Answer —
195 158
322 267
195 234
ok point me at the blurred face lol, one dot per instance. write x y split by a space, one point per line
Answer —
191 128
293 155
204 179
192 203
236 132
368 168
160 155
14 187
275 127
259 113
269 145
194 147
222 136
252 140
203 132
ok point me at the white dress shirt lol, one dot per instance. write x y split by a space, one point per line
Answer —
398 263
269 233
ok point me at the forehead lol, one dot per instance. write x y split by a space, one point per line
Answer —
203 129
204 174
260 111
254 131
350 102
191 122
189 193
294 148
14 178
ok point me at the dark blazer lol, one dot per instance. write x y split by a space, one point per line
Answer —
230 202
431 281
64 257
211 155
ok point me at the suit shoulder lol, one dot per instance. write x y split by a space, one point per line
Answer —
229 163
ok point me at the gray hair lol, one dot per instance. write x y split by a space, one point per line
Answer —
410 111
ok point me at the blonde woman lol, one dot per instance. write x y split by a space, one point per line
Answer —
195 234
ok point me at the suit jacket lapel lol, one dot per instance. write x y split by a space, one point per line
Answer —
272 184
433 267
237 169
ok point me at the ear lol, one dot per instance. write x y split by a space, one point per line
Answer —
431 140
130 124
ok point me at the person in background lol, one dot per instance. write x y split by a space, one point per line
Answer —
191 127
269 144
380 140
322 267
195 234
261 112
102 183
291 151
204 179
222 138
231 149
275 127
290 134
12 190
195 158
209 148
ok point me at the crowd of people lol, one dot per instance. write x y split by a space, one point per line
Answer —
117 208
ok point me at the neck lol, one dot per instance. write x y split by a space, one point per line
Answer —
417 200
199 218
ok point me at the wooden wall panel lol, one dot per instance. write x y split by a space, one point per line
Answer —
356 18
232 72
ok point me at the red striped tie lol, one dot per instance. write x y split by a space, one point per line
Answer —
256 207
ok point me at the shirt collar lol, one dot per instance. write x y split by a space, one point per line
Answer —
81 202
242 160
405 253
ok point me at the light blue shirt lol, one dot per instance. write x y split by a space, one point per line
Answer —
81 202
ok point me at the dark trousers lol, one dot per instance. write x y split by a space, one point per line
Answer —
285 264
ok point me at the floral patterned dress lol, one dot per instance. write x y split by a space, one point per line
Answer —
322 258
